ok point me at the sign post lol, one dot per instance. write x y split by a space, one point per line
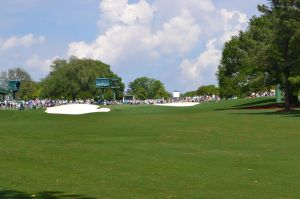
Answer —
102 83
278 94
114 86
106 83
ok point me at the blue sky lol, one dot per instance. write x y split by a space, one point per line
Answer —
176 41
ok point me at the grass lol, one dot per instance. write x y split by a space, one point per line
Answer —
206 151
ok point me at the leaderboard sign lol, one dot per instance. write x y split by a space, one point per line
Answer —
103 83
14 85
10 85
107 83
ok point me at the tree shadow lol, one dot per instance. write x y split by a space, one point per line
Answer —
266 104
256 103
10 194
264 107
291 113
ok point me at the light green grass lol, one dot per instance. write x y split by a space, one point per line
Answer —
206 151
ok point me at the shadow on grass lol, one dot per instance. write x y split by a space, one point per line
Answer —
264 107
9 194
292 113
266 104
256 103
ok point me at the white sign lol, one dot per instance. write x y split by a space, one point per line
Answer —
176 94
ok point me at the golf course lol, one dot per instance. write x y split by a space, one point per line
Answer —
212 150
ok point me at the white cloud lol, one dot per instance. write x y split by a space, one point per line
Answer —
170 8
203 69
130 33
161 32
36 63
180 34
233 22
115 44
119 11
126 25
200 5
228 15
208 59
25 41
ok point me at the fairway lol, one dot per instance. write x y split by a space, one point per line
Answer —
206 151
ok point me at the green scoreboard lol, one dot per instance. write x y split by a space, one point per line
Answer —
107 83
103 83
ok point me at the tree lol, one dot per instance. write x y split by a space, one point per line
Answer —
75 78
242 69
141 93
148 88
190 94
229 73
15 74
283 55
264 55
208 90
28 88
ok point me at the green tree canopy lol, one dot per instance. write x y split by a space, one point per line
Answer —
148 88
204 90
75 78
283 53
15 74
190 94
268 53
29 90
208 90
28 87
242 69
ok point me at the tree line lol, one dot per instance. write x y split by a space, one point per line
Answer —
75 79
206 90
266 54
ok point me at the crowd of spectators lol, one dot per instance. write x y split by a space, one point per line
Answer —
262 94
204 98
44 103
37 103
200 99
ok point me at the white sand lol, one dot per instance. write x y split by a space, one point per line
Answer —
179 104
76 109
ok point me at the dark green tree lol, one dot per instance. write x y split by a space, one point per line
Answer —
265 55
75 78
148 88
208 90
242 68
190 94
229 75
283 55
29 90
28 87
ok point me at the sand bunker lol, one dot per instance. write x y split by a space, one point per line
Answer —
76 109
179 104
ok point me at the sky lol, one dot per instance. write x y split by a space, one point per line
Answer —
179 42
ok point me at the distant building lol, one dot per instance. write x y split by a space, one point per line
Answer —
176 94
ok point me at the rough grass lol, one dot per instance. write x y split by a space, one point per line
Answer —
206 151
